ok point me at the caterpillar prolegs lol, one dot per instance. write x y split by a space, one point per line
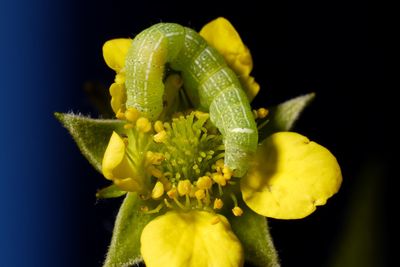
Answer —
209 83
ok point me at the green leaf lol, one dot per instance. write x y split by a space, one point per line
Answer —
283 116
125 244
111 191
91 135
253 232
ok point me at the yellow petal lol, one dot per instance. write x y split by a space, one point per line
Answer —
190 239
290 176
116 167
118 97
114 53
221 35
251 86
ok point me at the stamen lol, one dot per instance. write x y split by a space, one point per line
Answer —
158 126
160 137
172 193
184 187
132 114
143 125
218 203
166 202
237 211
262 113
156 210
218 178
204 182
234 199
200 194
227 173
179 204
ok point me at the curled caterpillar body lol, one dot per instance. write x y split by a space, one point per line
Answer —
210 84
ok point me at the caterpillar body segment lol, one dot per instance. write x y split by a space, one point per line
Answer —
209 83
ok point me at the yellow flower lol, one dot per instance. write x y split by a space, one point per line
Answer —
179 167
290 176
221 35
114 53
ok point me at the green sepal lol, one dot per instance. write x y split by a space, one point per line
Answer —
283 116
253 232
125 243
111 191
91 135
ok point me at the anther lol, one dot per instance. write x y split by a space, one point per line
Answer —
172 193
158 126
227 173
218 178
218 203
184 187
262 113
132 114
158 190
204 182
160 137
200 194
143 125
237 211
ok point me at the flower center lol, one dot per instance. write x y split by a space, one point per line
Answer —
184 162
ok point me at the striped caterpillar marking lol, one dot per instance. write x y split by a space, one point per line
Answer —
210 84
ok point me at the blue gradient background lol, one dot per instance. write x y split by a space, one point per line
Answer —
37 166
49 49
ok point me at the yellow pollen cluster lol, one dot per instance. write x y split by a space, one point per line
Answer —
260 113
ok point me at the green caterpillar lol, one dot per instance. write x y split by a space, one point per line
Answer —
209 83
